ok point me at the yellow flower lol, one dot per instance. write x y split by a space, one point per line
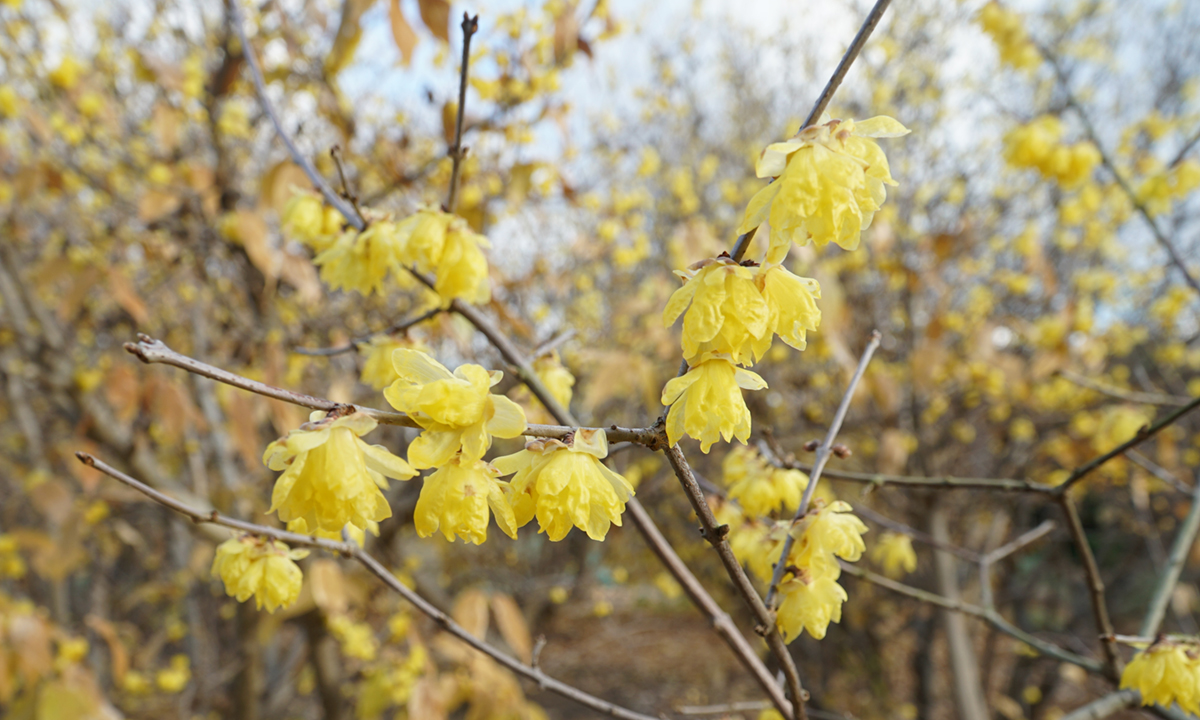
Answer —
66 75
361 260
772 490
726 312
894 552
792 304
440 243
756 545
565 485
456 410
331 476
1165 672
378 369
809 603
357 639
260 567
11 563
303 220
829 533
830 182
10 102
707 404
456 498
175 678
557 379
1008 32
1037 145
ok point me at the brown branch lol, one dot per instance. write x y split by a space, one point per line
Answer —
941 482
470 25
824 452
335 152
355 342
1180 550
1112 665
1140 437
1158 471
717 536
1120 394
260 89
989 616
915 534
352 550
987 560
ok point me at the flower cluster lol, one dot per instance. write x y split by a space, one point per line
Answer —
1038 146
1008 32
429 241
811 597
760 489
459 417
331 477
1160 191
564 484
1166 672
829 183
260 567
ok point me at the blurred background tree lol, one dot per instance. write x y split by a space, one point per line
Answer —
1033 277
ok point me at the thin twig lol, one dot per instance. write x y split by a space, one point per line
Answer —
1120 394
151 351
356 342
470 25
717 535
993 618
915 534
1158 471
1107 162
335 152
260 88
1185 149
941 482
824 452
1105 706
1112 665
1020 541
1184 540
553 344
1140 437
352 550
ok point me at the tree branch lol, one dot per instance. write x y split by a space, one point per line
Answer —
1140 437
354 343
1170 575
352 550
989 616
1130 395
824 452
470 26
1112 667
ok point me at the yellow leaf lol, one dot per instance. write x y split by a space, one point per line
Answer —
402 32
436 16
513 628
279 184
471 611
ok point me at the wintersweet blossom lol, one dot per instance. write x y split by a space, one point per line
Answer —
331 476
725 310
443 244
809 603
455 409
361 260
894 553
832 531
791 303
829 183
772 490
260 567
707 404
456 498
564 484
1164 673
378 369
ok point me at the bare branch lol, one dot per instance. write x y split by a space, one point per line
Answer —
1105 706
1112 666
352 550
1170 576
1158 471
990 616
260 87
1140 437
1021 541
1130 395
470 26
353 344
823 454
915 534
